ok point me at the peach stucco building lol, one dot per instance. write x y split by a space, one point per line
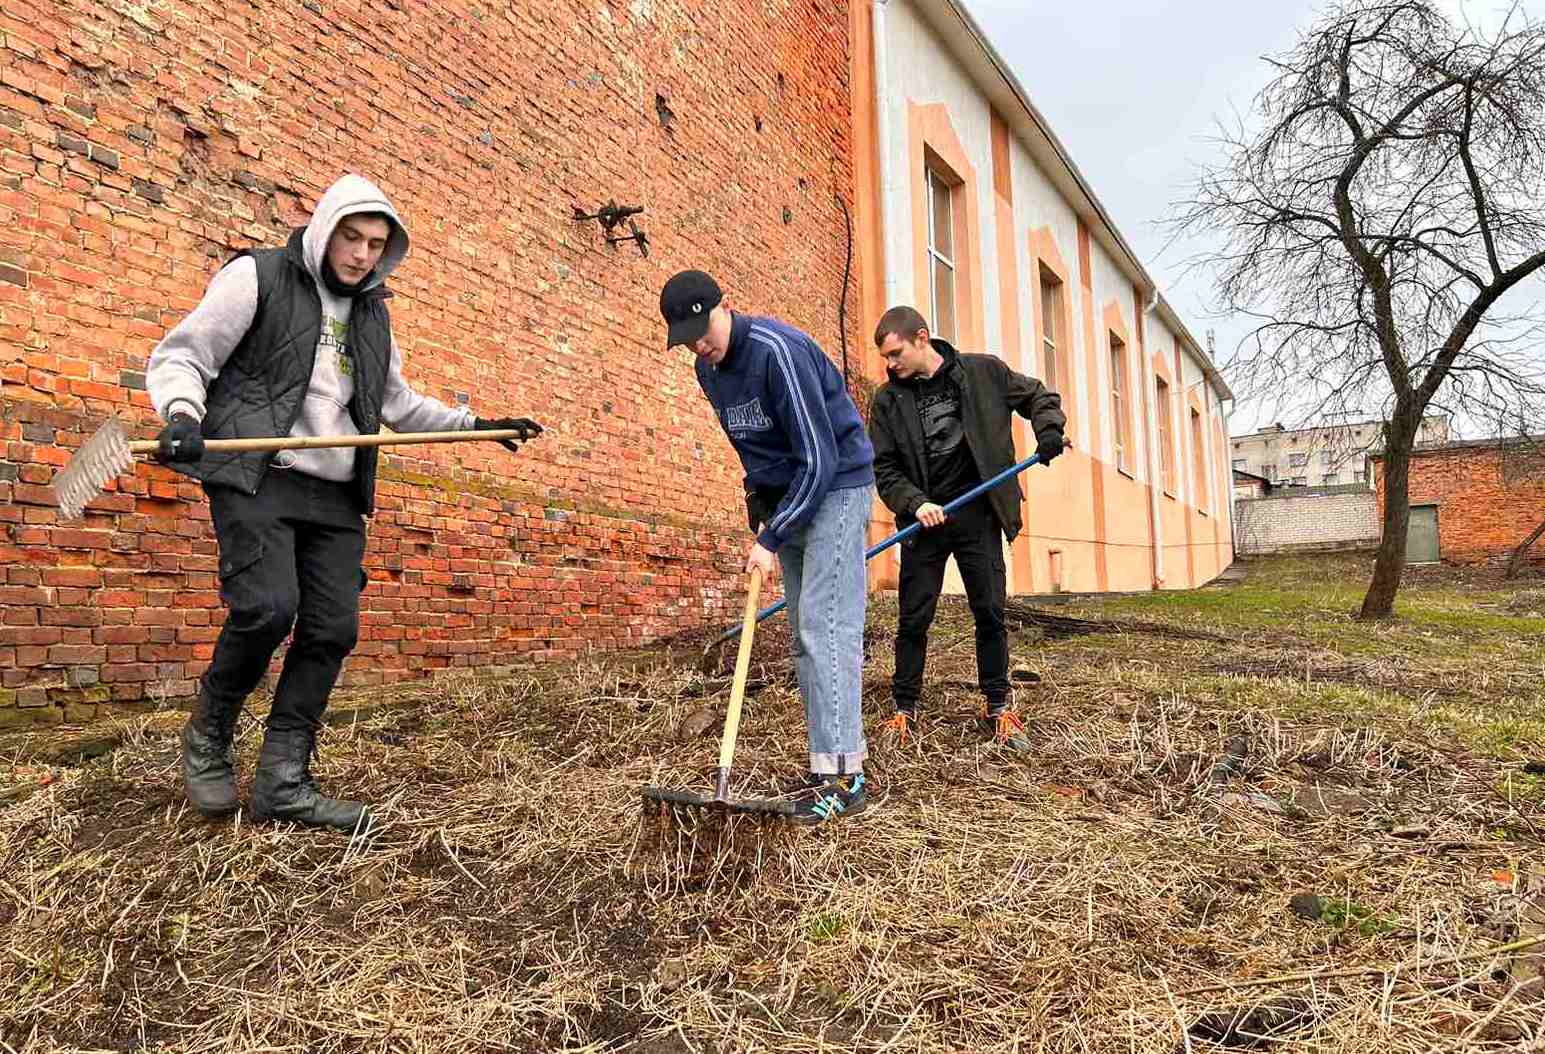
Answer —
971 210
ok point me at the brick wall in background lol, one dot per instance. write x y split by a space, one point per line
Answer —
1490 497
140 146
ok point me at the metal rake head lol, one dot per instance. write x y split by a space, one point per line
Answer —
103 457
663 801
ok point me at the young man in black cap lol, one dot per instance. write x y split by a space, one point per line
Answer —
809 473
290 341
941 425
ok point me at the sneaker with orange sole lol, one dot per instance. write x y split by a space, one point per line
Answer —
900 729
1006 729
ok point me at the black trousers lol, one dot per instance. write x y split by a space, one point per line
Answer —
291 557
972 536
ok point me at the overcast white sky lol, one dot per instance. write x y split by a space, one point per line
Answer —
1135 88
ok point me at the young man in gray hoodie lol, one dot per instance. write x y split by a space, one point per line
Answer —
290 341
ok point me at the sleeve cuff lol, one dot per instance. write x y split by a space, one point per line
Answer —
186 406
769 541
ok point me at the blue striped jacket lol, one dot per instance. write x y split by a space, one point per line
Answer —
784 407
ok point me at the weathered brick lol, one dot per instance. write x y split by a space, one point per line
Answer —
82 676
85 577
72 654
121 672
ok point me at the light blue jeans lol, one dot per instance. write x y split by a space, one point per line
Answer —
825 584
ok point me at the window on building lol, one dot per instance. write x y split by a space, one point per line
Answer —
1118 402
1241 462
1330 479
941 257
1051 338
1327 457
1161 398
1270 472
1298 460
1199 462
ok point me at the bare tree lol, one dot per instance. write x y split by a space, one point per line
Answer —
1382 196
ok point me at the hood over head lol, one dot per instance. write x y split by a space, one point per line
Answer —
349 196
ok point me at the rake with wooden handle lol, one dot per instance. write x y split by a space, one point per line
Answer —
109 453
664 801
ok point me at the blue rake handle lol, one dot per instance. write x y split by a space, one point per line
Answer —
900 536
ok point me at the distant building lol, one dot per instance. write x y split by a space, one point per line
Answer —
1324 455
1248 485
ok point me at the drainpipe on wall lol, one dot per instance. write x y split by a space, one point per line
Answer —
1228 432
883 135
1155 459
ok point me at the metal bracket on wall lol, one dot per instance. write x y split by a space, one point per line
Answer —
637 236
611 215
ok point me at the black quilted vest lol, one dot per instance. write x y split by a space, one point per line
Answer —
260 389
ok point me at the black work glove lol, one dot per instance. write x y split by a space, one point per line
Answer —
1048 445
181 440
527 428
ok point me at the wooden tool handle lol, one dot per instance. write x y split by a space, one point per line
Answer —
219 446
742 666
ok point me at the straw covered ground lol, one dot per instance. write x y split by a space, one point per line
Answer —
1227 786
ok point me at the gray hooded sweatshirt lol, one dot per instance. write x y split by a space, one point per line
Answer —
186 362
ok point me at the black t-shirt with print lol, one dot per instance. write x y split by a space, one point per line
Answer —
951 468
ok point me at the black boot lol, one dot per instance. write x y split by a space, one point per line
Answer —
285 790
208 761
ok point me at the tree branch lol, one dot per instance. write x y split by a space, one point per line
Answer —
1465 327
1476 190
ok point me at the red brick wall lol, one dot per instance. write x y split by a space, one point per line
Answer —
141 146
1489 499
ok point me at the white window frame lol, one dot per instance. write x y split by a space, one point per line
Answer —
1051 310
1164 411
1118 400
936 184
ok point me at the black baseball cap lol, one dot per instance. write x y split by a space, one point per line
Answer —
685 302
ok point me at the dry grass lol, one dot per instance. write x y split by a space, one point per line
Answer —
1062 901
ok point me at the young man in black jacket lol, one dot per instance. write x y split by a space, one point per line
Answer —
940 426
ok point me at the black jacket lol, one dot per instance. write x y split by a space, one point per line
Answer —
990 393
260 389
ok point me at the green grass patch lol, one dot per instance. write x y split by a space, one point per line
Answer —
1350 915
824 926
1457 658
1522 786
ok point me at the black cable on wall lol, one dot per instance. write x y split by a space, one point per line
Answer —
842 305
